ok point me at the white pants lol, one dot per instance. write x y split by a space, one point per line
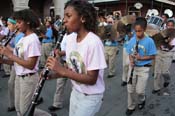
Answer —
84 105
111 56
136 90
11 88
161 71
24 90
58 97
126 66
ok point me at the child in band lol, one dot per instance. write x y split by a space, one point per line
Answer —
85 59
142 51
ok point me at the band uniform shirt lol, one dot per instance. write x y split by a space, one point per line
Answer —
28 46
172 43
85 56
146 47
126 41
49 35
15 39
63 46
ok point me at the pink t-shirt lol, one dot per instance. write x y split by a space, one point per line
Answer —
173 44
85 56
28 46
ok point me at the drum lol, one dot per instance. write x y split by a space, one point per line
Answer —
154 25
155 20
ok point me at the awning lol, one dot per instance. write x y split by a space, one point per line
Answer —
98 1
172 2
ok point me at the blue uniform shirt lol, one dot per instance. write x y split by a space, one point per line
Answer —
108 42
15 40
49 35
18 37
146 47
126 40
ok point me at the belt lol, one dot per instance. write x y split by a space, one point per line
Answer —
25 75
166 50
146 65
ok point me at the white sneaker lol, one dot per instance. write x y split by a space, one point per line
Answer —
166 93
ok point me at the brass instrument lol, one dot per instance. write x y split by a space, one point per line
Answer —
118 29
164 37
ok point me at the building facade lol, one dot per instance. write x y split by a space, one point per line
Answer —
42 7
56 7
126 7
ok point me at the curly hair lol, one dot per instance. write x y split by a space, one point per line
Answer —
28 16
87 11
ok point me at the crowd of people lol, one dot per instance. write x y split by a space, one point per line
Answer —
89 46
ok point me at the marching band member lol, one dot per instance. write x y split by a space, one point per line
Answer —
25 59
85 59
141 51
162 65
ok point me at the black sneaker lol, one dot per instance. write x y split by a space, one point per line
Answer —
111 76
10 109
142 105
39 101
166 84
124 83
53 114
53 108
6 76
129 112
156 91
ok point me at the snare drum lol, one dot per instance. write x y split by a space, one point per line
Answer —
154 25
156 20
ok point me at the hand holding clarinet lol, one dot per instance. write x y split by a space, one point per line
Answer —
133 59
45 75
5 50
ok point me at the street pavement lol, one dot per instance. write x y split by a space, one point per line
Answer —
115 96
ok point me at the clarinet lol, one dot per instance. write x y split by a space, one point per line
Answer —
132 70
8 38
31 109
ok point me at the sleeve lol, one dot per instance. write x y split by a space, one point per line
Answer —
173 42
152 48
49 33
6 31
96 58
34 48
129 47
63 44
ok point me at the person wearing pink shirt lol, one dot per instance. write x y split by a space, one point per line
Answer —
84 57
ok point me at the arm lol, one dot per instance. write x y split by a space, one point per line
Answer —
89 78
150 55
6 61
142 58
48 34
131 59
29 63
